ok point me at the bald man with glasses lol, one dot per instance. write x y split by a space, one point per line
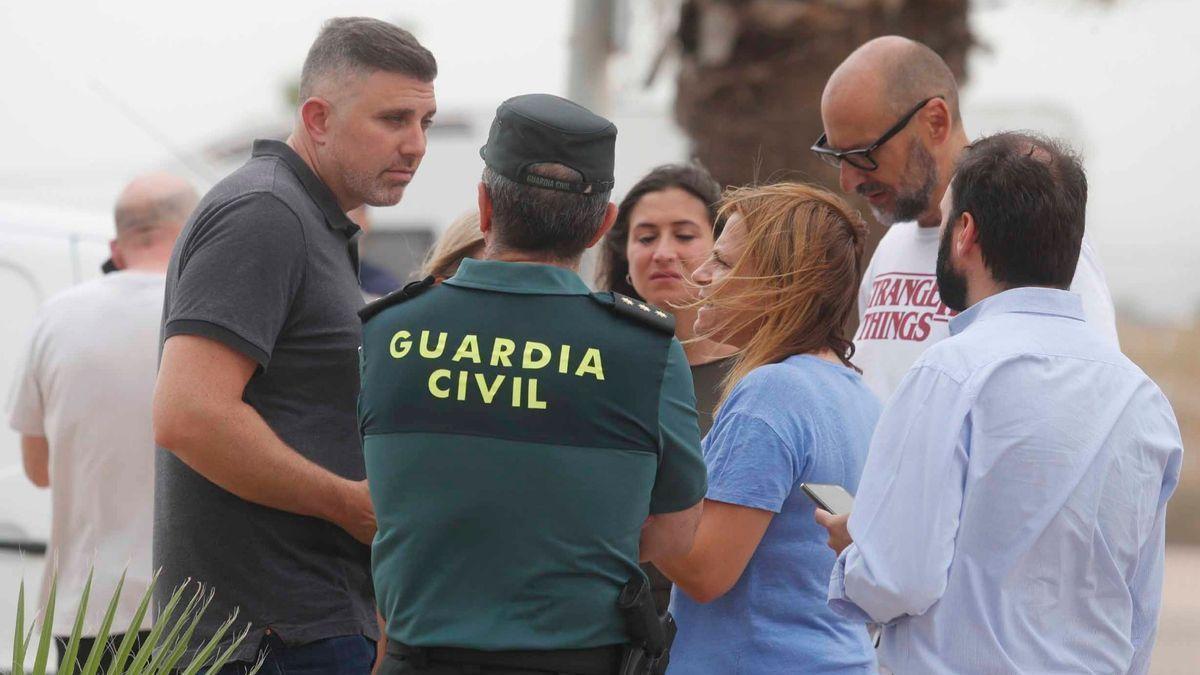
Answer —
894 132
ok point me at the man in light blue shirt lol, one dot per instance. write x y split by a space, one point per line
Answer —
1010 517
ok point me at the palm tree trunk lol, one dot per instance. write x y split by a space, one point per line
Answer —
752 72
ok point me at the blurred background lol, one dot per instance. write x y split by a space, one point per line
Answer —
98 92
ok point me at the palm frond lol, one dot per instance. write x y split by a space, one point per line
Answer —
161 652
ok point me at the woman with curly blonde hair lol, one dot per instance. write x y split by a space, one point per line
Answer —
750 596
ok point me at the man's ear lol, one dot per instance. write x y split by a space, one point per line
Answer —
610 217
967 240
314 115
485 210
115 253
938 120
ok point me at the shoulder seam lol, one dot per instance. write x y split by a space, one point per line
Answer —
299 224
765 422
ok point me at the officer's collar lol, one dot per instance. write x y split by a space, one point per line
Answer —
313 185
518 277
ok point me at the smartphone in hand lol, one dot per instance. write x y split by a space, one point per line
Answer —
832 498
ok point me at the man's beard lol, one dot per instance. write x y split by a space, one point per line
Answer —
371 190
952 285
367 186
911 203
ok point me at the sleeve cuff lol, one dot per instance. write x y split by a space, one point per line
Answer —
675 505
225 336
26 425
838 602
741 499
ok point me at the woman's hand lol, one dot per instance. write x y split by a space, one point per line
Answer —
839 534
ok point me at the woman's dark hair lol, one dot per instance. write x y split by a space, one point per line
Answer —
613 267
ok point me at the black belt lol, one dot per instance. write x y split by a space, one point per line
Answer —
595 661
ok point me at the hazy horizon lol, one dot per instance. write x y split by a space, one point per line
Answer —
110 92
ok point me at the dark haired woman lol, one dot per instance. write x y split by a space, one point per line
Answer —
665 229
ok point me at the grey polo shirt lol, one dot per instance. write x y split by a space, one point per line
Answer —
267 265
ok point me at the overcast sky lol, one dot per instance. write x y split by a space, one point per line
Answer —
98 91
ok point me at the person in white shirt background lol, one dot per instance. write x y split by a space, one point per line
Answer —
893 129
82 404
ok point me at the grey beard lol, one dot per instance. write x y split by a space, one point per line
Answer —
910 205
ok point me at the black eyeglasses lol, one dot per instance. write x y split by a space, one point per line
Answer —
861 158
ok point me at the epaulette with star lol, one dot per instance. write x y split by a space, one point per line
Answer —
637 309
395 297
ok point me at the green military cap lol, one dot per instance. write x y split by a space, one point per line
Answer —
540 129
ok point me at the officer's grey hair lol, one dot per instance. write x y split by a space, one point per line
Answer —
557 224
349 46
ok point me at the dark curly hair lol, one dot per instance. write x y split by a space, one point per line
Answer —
613 267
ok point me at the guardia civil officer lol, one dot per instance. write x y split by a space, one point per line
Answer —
527 441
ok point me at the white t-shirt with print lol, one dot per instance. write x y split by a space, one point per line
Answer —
86 385
900 313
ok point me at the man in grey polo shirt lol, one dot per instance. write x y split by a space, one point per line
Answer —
261 490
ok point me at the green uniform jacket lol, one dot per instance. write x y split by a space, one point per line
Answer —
518 429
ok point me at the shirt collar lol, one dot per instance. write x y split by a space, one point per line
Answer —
335 217
518 277
1024 300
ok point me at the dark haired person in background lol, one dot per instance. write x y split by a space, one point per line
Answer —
665 229
527 441
375 281
261 490
1011 515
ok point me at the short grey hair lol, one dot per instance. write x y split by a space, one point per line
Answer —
361 45
137 218
918 74
532 219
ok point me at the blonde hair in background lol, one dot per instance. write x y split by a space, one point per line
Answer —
461 239
800 272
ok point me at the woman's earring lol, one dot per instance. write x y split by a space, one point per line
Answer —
629 280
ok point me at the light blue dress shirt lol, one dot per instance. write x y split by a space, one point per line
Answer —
1011 514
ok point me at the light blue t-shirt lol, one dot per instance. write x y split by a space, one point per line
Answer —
805 420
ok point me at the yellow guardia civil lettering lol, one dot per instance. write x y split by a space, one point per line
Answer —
461 385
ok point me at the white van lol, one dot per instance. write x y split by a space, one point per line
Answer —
43 250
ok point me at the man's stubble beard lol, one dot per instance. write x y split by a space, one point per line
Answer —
912 203
368 187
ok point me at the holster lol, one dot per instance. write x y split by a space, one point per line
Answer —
650 633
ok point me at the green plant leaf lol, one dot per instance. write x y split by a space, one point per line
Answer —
169 644
168 664
135 626
220 660
72 652
47 636
164 619
203 656
18 662
92 666
163 648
